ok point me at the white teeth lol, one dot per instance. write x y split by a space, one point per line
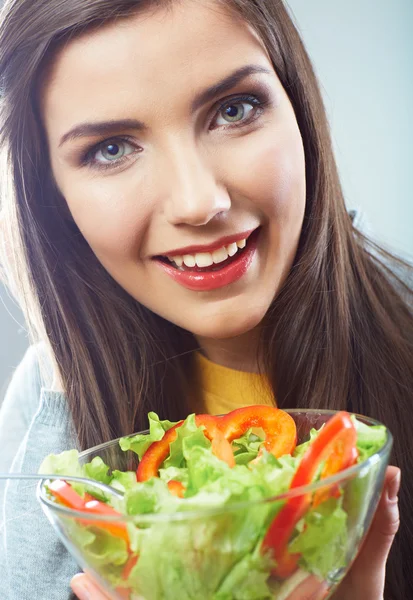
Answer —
178 260
232 249
218 256
189 260
204 259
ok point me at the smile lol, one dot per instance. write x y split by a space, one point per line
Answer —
207 259
205 271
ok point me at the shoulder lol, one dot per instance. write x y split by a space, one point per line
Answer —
29 403
32 374
34 422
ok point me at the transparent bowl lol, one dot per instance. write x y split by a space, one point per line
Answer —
193 549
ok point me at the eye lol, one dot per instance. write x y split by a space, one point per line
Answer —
238 111
112 151
234 112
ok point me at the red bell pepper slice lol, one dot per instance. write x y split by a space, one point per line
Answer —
130 563
211 424
156 454
126 593
69 497
279 427
66 494
335 444
221 447
322 495
176 488
158 451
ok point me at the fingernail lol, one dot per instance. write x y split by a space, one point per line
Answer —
393 488
80 587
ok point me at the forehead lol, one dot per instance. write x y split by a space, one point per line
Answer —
107 71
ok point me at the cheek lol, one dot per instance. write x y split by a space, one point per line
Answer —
110 217
273 177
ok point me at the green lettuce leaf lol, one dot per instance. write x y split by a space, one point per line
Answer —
246 447
323 539
123 480
147 497
369 438
101 550
176 473
65 463
97 470
247 580
301 449
140 442
189 436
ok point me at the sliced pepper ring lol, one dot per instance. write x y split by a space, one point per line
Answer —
279 427
334 444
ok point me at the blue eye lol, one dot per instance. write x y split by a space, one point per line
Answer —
239 111
235 112
112 151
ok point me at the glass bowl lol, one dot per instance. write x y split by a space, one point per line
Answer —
214 553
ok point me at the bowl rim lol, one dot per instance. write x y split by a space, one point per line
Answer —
152 518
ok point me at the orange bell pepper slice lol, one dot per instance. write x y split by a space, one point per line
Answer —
335 444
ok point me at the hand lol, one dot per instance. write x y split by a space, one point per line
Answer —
86 589
365 581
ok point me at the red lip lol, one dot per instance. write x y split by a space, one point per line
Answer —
224 241
205 281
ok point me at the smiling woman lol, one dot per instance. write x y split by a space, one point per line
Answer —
174 210
196 159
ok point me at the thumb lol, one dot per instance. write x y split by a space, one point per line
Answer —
86 589
369 569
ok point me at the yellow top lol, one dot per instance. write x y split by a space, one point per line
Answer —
224 389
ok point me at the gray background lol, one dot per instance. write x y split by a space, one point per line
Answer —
363 55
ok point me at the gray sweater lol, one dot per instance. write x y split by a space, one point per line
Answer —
34 422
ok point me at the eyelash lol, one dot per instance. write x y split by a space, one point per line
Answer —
258 102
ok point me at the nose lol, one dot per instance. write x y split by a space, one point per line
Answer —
194 195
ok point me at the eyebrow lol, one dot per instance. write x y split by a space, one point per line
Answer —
100 128
227 84
109 127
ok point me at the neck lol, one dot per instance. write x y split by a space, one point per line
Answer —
239 353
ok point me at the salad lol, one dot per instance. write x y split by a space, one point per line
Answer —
205 522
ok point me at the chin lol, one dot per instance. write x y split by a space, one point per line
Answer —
221 326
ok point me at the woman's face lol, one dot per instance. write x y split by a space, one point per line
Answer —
171 137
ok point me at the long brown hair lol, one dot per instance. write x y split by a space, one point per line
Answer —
338 335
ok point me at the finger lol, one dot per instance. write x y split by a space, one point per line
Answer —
368 571
310 589
86 589
386 520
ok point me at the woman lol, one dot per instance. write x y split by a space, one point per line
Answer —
144 138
